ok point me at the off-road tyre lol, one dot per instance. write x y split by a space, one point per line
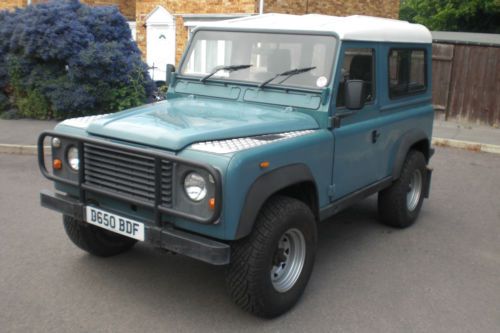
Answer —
248 276
393 204
95 240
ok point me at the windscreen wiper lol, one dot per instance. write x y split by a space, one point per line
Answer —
288 75
230 68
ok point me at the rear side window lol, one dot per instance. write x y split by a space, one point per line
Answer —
407 72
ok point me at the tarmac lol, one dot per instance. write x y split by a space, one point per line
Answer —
20 136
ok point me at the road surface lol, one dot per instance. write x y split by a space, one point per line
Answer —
441 275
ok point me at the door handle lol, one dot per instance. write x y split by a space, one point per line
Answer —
375 136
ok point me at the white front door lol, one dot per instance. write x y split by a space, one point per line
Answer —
160 27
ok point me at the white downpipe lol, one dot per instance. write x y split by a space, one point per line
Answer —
261 7
29 2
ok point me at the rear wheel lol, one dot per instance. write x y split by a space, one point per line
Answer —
270 268
400 204
95 240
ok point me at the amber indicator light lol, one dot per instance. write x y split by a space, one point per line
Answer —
57 164
264 164
211 203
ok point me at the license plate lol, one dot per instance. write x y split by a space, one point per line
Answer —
116 223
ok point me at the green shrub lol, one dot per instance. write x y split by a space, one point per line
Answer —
128 95
28 98
33 105
453 15
4 102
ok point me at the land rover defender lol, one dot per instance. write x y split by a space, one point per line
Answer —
270 125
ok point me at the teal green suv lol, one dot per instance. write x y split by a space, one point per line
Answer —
271 124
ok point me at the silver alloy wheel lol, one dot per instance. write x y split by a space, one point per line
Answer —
415 190
288 260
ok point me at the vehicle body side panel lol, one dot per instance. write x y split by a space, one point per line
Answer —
265 186
313 151
406 120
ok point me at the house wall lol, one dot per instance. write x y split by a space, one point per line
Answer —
11 4
383 8
126 7
139 9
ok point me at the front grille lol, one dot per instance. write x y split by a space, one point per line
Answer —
166 183
128 174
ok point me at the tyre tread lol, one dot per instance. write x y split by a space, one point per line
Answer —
242 277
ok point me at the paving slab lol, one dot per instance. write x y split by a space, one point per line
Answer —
23 131
466 132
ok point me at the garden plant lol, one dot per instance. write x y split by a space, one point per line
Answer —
64 59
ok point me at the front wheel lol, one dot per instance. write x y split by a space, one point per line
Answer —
400 204
270 268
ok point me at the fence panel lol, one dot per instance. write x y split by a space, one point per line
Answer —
474 89
442 59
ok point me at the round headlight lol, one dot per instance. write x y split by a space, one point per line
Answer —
72 157
195 186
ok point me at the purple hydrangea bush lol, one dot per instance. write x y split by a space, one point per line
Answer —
64 59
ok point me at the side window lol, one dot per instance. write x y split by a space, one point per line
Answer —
407 72
358 64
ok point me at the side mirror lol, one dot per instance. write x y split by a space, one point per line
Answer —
355 94
170 73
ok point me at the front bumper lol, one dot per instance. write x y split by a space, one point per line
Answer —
168 238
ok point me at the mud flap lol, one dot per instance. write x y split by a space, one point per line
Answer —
427 185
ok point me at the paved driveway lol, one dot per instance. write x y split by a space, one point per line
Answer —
442 275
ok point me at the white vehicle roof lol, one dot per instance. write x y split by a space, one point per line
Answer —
356 27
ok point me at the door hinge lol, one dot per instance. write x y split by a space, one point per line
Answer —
334 122
331 191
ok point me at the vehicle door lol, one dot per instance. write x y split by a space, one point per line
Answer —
355 162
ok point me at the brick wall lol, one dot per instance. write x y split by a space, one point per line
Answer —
297 7
11 4
383 8
126 7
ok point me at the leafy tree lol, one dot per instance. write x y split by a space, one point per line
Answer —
453 15
63 58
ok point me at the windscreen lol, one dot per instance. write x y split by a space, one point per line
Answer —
258 57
